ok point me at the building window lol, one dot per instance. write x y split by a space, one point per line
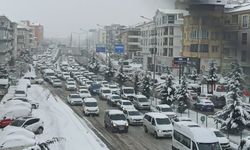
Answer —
165 52
243 56
193 34
245 20
204 48
166 31
235 19
204 34
244 38
215 49
170 52
194 48
171 19
171 41
165 41
226 52
171 30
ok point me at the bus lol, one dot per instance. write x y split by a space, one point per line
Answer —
190 136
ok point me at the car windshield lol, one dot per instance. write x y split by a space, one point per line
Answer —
129 91
84 92
71 83
142 100
126 103
116 97
75 96
166 110
134 113
163 121
218 134
91 104
117 117
17 123
19 92
106 91
209 146
113 87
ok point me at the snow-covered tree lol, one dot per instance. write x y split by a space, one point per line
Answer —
93 65
145 85
121 76
212 77
182 96
109 72
235 115
194 75
168 92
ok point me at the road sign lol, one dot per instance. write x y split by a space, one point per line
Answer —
119 48
203 118
180 60
100 48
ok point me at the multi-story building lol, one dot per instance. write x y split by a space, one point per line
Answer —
203 34
130 38
236 36
38 33
7 40
167 41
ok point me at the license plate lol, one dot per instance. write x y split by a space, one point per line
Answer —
121 128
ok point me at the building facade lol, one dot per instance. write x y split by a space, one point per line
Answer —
8 40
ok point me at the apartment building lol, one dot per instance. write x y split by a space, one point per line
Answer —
8 40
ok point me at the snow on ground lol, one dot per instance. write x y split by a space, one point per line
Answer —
61 121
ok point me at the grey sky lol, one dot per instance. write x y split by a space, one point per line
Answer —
61 17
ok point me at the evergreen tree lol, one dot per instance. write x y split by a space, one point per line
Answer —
194 76
121 77
212 77
110 72
168 92
145 84
94 65
235 115
182 96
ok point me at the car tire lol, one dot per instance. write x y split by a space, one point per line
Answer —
145 129
105 125
39 130
128 121
33 106
155 135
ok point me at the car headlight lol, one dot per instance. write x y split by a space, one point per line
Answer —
126 124
114 124
160 131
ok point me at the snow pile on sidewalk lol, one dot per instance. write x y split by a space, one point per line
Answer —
61 121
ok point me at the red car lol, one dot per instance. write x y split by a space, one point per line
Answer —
5 122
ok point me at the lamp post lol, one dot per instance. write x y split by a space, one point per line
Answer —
154 55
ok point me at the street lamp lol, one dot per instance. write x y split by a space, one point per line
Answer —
154 55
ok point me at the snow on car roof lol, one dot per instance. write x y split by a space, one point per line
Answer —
114 111
163 106
156 115
91 99
4 81
140 96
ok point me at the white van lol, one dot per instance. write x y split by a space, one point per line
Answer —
190 136
157 124
90 106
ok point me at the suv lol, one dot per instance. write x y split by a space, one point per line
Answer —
133 116
116 121
204 105
70 86
113 99
90 106
32 124
125 104
75 99
141 102
84 93
127 93
104 93
166 110
157 124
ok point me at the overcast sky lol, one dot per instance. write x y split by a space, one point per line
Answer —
61 17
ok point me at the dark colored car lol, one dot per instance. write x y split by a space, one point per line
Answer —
94 88
204 105
219 102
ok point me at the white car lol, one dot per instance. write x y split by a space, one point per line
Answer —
127 93
15 112
34 125
104 93
125 104
74 99
65 75
166 110
90 106
223 140
84 93
34 105
71 86
113 99
133 116
57 83
141 102
114 88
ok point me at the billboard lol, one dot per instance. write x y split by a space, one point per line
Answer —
119 48
100 48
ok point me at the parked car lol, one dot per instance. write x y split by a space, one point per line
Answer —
34 105
113 99
104 93
116 121
223 140
90 106
157 124
179 119
84 93
141 102
204 105
32 124
166 110
133 116
74 99
125 104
